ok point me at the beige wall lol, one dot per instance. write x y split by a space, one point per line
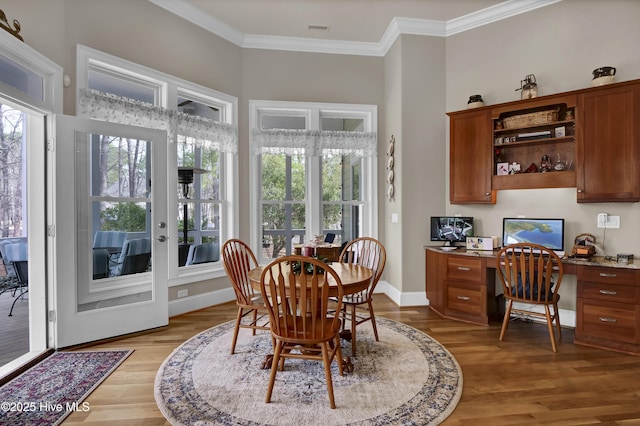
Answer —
414 85
561 44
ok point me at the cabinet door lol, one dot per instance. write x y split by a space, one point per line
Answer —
434 283
471 158
608 145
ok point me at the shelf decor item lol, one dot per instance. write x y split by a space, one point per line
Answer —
529 87
475 101
531 119
602 76
390 167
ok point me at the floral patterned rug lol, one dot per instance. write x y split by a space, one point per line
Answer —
407 378
54 388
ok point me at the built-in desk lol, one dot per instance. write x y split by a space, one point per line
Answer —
460 285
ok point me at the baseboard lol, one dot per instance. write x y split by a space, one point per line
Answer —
416 298
200 301
567 317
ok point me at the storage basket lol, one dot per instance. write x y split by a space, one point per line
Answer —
531 119
584 246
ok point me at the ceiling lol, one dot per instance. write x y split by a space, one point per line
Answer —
366 27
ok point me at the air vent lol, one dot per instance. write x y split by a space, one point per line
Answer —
318 28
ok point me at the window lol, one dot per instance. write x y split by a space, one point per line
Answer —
313 173
202 135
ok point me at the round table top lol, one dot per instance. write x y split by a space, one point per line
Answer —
354 278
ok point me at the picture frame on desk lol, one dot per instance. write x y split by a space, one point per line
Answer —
502 169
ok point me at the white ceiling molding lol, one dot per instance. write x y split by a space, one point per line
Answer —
397 27
493 14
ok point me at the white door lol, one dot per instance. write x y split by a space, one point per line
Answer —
108 177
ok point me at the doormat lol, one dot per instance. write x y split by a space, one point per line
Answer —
55 387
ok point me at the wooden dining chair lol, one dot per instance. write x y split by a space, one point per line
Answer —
526 271
238 260
357 308
302 322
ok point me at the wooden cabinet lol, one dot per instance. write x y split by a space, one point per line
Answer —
471 157
460 287
595 132
608 144
608 308
536 129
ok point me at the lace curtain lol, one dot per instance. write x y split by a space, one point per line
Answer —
180 127
313 142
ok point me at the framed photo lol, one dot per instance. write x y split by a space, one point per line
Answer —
560 132
502 169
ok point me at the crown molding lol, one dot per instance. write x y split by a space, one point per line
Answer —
397 27
495 13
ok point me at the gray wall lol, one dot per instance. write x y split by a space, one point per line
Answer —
561 44
419 80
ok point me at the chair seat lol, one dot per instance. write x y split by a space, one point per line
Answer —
323 329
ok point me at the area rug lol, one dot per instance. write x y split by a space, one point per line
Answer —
55 387
407 378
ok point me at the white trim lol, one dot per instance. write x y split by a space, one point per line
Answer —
397 27
200 301
51 73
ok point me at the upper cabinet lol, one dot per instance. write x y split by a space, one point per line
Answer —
608 148
587 139
470 158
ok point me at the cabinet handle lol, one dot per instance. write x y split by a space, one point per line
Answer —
608 292
463 268
487 193
579 191
603 274
464 298
605 319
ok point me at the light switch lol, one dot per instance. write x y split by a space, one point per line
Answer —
394 217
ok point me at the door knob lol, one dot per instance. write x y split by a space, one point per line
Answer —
162 238
162 225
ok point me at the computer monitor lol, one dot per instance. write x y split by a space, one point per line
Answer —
545 232
451 229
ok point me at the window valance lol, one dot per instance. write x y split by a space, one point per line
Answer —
313 142
180 127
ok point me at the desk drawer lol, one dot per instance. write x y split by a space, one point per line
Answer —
611 321
465 269
465 298
608 292
603 274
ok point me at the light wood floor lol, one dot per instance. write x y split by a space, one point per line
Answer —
518 381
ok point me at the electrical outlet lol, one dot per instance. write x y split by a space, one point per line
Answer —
613 221
183 293
602 220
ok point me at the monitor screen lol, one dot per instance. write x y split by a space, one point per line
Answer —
450 228
546 232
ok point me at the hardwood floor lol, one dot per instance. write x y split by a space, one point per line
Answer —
517 381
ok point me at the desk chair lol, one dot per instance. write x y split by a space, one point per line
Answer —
358 307
302 321
238 260
525 271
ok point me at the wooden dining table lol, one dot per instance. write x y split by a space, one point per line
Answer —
355 278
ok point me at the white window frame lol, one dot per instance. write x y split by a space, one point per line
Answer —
168 88
313 113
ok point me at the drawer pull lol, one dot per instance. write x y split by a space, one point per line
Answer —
464 268
464 298
602 274
608 292
605 319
